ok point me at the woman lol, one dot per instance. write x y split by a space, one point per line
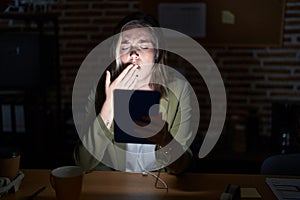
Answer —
139 65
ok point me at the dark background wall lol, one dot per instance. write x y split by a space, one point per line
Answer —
255 78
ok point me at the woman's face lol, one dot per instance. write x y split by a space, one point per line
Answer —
137 48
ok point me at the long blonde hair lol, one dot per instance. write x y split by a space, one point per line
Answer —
159 73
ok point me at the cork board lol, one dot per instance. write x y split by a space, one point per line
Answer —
243 23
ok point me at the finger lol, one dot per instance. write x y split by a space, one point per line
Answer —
140 123
107 80
146 118
132 84
160 115
153 123
130 76
124 72
126 77
155 119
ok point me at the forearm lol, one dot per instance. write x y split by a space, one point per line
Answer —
95 142
106 112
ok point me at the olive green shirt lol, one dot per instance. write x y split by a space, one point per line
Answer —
98 145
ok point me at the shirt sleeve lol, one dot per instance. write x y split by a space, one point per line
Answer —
95 138
180 119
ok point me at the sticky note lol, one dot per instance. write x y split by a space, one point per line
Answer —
250 193
228 17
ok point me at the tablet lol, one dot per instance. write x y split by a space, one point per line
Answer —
130 106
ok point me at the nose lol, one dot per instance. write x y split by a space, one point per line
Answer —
134 55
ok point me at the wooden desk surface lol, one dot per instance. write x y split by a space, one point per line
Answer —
121 185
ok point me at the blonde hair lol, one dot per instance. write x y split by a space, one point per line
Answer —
159 77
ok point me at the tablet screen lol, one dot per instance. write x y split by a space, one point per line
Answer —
130 106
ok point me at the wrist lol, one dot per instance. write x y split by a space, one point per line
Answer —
106 120
106 114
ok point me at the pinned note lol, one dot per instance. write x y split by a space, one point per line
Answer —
228 17
250 193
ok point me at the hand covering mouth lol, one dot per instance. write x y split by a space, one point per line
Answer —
134 63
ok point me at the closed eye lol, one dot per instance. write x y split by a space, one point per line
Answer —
144 47
124 47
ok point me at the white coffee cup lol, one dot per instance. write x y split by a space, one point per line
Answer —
67 182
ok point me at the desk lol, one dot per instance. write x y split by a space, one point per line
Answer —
121 185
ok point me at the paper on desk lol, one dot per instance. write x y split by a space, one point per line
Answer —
250 193
285 188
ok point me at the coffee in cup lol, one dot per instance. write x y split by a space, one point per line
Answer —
67 182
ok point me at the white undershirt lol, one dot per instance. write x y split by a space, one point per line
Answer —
140 157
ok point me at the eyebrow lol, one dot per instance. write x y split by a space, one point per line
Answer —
144 41
124 42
